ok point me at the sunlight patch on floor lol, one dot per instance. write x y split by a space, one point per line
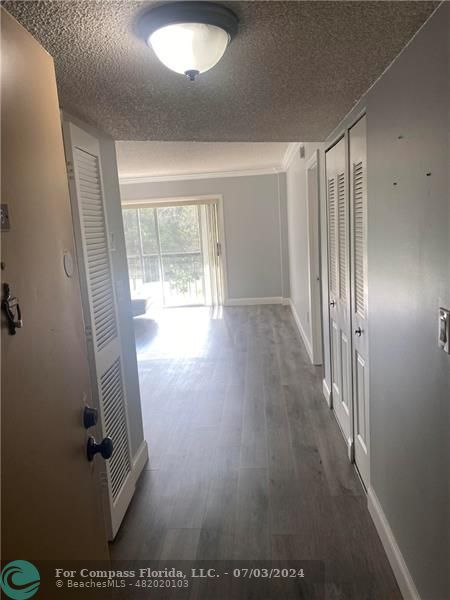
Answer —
175 332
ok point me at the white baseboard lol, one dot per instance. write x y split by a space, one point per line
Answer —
327 393
254 301
140 460
301 331
395 557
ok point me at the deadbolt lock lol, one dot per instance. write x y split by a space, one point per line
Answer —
90 417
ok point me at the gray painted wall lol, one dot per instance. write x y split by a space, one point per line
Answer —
298 246
408 274
120 273
298 237
408 277
255 228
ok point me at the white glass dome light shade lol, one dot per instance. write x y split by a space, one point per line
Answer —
188 37
189 47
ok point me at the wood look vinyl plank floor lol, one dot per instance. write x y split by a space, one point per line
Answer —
246 459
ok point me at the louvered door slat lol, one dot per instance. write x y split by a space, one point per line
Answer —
332 233
100 306
359 238
114 416
96 249
98 297
105 334
342 235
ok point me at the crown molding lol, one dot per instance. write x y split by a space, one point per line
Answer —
289 155
190 176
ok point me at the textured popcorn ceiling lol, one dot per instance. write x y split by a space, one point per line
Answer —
293 71
139 159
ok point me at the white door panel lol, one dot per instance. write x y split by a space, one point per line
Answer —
358 200
339 277
100 313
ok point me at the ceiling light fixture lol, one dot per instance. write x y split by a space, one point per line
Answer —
189 37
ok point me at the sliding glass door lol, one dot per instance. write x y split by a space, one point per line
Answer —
165 256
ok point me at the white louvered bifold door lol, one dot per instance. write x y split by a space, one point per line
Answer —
100 313
339 286
358 195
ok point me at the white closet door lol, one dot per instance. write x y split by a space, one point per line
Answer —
100 314
339 277
358 194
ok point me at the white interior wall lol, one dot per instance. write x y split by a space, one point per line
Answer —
298 240
255 229
298 236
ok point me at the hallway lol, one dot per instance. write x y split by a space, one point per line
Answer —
246 459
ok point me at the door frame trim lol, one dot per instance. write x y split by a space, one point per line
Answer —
314 259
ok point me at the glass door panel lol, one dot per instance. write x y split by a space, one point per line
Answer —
151 261
144 265
149 235
183 279
131 230
165 256
181 255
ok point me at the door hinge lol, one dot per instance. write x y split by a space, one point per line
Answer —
88 331
70 171
219 248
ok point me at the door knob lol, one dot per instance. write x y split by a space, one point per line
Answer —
358 331
105 448
90 417
333 303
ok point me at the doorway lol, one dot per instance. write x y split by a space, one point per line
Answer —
174 252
